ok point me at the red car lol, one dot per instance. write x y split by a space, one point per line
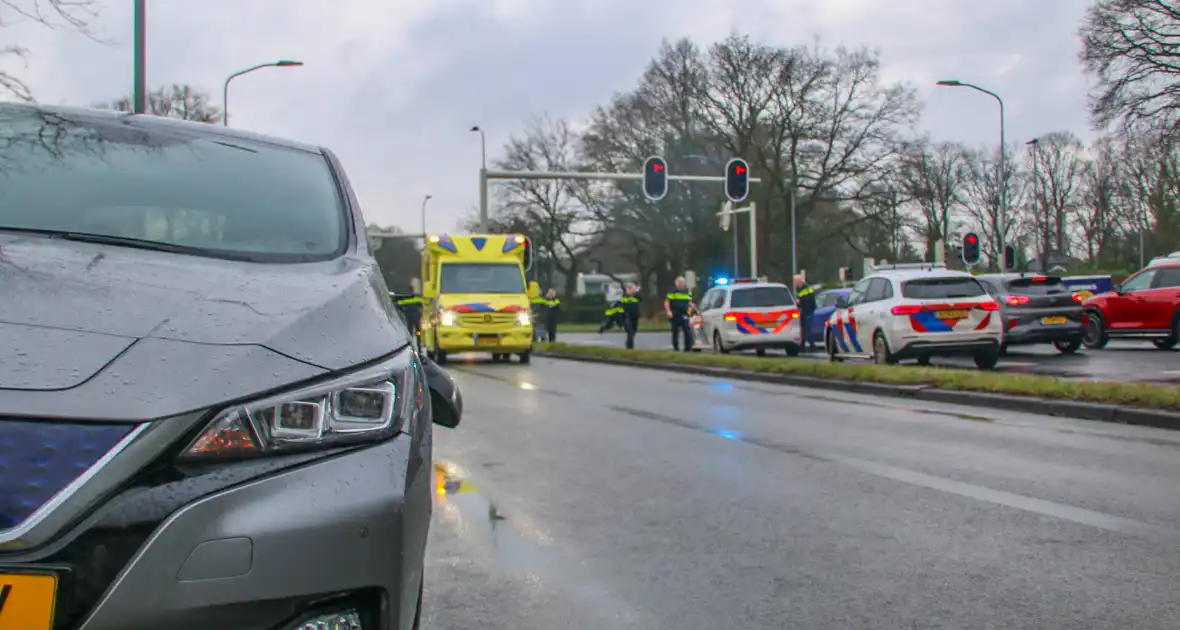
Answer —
1146 306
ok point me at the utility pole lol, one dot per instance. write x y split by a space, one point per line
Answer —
791 197
139 91
728 209
1038 205
483 178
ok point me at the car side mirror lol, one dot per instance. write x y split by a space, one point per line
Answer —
446 402
534 289
841 302
1117 288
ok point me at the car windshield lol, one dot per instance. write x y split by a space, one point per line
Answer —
190 190
941 288
1037 285
457 277
757 297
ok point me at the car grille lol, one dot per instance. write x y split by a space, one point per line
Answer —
39 459
487 319
95 559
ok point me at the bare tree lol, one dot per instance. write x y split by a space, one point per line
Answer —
1132 48
559 225
1059 166
986 188
68 14
175 101
933 177
1104 200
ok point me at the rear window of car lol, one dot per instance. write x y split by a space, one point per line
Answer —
1037 286
757 297
941 288
220 196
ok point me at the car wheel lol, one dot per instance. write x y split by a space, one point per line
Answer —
986 359
792 351
881 352
760 352
525 357
923 359
1094 334
830 348
1068 346
1164 344
717 347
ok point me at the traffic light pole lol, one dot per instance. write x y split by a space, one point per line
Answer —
490 175
728 209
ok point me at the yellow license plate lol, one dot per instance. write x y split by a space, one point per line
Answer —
1053 320
952 315
27 601
488 341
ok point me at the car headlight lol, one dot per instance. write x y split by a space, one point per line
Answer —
367 405
523 318
447 318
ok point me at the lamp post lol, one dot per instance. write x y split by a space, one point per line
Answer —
424 200
139 91
282 63
1002 219
483 178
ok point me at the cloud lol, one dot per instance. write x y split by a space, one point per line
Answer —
394 86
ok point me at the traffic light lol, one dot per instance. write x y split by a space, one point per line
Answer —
737 180
655 178
970 252
1009 258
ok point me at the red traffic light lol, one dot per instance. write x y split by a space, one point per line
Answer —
657 167
737 180
739 169
655 178
972 239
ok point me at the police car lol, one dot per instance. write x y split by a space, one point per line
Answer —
745 314
916 311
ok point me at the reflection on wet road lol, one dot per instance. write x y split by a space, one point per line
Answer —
585 496
1120 361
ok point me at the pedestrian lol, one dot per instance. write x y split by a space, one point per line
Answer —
411 309
805 297
677 305
552 313
630 303
539 307
613 316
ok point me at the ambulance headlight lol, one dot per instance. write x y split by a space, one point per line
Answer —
523 318
447 318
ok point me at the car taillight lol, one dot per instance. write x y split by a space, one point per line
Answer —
989 306
1016 300
906 309
1077 297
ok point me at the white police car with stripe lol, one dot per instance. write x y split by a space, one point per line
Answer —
916 311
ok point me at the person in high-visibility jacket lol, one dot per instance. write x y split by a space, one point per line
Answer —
411 308
613 316
539 308
552 313
805 296
630 304
677 305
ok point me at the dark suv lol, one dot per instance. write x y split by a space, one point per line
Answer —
1037 309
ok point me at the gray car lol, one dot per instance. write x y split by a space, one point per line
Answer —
210 412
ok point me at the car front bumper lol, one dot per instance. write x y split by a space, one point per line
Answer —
512 341
331 534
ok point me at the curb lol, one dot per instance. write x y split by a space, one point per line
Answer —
1117 414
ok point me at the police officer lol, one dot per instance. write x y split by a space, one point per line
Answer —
677 305
539 307
552 313
630 303
411 308
805 296
613 316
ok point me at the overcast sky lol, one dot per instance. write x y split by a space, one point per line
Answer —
394 86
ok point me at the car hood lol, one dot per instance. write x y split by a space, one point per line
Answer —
483 302
72 309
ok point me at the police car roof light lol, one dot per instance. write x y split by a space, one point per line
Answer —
743 281
721 281
921 265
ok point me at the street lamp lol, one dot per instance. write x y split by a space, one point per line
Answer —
483 178
1002 219
282 63
424 200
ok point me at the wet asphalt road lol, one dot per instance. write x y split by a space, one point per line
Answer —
1119 361
590 496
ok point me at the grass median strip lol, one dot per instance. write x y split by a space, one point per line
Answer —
644 326
1144 395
